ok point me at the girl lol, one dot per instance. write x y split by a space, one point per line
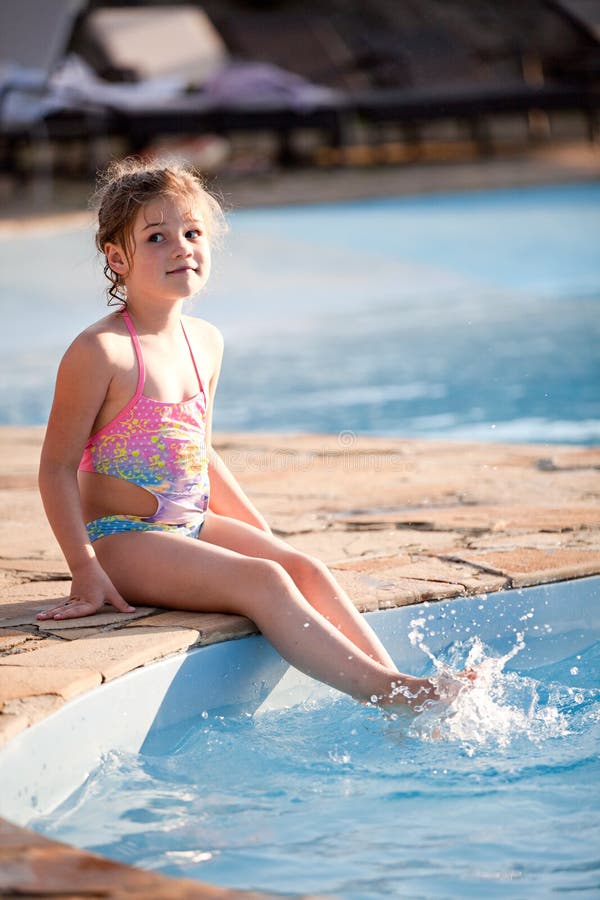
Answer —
127 459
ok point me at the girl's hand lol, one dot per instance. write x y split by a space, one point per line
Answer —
89 592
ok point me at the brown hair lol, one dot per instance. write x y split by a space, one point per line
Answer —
125 186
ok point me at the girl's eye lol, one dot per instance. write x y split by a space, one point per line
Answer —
193 233
156 238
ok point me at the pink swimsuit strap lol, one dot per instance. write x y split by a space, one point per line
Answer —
140 357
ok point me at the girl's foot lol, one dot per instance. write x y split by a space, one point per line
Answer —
416 692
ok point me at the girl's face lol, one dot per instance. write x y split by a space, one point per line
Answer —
170 258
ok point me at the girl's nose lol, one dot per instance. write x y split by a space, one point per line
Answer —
182 247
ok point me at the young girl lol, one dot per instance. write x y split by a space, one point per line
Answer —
127 467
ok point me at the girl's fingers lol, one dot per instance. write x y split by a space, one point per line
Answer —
61 610
120 604
74 608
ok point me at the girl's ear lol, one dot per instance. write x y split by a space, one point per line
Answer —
116 259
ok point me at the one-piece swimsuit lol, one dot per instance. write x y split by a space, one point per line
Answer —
159 446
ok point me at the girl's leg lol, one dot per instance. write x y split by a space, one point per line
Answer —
311 576
159 569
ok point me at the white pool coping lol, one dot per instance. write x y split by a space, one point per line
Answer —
41 766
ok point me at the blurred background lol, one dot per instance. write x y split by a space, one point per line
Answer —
412 188
252 86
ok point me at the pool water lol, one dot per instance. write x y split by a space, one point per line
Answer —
471 315
493 794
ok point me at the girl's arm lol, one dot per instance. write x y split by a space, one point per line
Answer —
226 495
81 386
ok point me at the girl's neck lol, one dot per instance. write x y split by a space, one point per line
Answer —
155 319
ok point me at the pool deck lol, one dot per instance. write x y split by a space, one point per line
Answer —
398 521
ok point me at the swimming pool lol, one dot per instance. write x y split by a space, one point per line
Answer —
468 316
239 771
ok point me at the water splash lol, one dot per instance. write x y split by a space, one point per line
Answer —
495 709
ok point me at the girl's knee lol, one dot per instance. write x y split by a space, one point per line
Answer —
301 566
265 577
262 583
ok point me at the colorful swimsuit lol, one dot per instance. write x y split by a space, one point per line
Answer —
159 446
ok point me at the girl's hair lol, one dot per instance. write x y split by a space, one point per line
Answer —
125 186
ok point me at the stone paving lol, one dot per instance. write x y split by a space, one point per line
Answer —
398 521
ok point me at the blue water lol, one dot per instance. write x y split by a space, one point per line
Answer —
494 795
470 315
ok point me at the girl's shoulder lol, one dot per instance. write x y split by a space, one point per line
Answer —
100 341
205 333
207 341
112 324
201 327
